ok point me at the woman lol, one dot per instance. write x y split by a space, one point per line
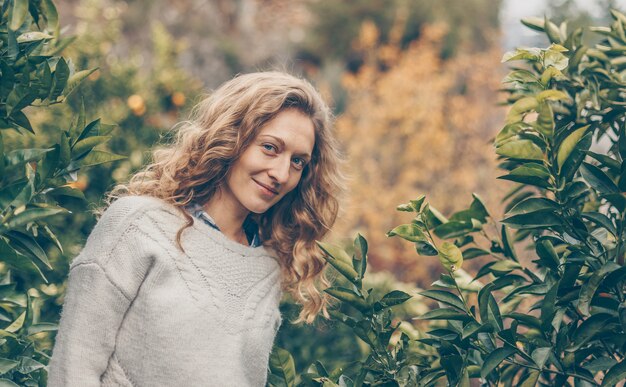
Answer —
179 282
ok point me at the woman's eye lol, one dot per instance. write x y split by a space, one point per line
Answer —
269 147
299 162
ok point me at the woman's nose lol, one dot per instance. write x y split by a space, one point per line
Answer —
279 170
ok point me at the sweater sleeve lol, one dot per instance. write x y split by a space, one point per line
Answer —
103 281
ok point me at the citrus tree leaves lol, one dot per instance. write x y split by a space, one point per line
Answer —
35 182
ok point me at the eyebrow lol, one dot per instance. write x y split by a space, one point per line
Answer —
282 145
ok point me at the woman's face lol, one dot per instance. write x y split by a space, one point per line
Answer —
272 165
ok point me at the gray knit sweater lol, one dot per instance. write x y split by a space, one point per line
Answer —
139 312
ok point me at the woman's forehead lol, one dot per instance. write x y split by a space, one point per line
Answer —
293 129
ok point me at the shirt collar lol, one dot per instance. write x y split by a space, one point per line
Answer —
250 227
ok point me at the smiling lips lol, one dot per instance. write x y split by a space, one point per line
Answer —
267 189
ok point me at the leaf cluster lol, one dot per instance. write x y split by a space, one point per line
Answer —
560 318
35 183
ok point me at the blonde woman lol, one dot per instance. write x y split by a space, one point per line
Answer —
179 282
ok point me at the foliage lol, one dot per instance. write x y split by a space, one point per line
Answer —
336 26
333 342
393 348
142 95
559 319
35 183
416 122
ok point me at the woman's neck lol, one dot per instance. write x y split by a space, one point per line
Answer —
228 216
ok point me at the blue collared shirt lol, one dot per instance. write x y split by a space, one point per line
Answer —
249 226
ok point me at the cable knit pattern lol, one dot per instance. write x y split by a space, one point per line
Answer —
139 312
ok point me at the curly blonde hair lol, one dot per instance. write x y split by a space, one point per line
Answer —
222 126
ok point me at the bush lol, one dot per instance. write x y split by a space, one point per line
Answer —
557 318
35 183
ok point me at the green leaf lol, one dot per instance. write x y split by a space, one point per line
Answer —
540 355
601 363
50 235
50 161
20 97
425 248
64 150
7 365
505 266
410 232
20 119
606 161
531 54
445 314
545 119
348 296
17 324
49 11
551 30
75 80
395 297
575 159
473 252
510 131
96 157
547 254
87 145
453 229
22 156
520 149
621 142
450 256
474 328
41 327
282 366
340 260
507 243
488 307
520 76
520 108
590 286
59 79
601 220
548 310
359 261
552 95
597 179
494 359
532 379
33 36
535 23
18 14
91 129
568 145
30 245
539 219
478 208
616 374
533 205
447 298
525 319
587 330
615 277
31 215
549 74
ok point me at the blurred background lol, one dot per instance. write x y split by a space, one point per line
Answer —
413 83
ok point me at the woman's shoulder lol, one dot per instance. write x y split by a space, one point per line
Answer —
130 212
135 206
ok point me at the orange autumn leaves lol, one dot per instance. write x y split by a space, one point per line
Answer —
417 124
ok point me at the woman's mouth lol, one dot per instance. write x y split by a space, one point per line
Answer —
265 189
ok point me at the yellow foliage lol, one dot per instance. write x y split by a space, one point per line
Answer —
416 124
